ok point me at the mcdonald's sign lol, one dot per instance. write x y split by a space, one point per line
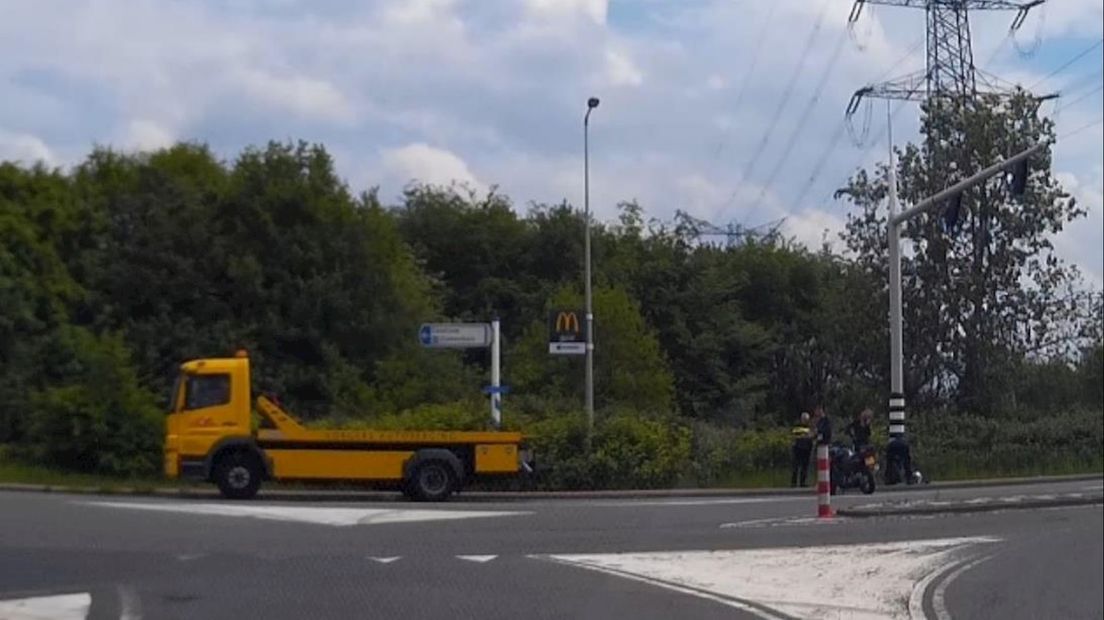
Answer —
567 332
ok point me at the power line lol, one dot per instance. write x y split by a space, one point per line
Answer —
837 135
764 27
823 159
1079 99
861 137
787 93
1066 64
1082 128
1078 82
1000 48
795 133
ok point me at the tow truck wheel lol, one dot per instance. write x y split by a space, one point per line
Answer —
431 481
238 475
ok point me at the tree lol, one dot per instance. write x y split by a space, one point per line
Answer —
195 259
37 292
629 367
95 416
986 290
477 249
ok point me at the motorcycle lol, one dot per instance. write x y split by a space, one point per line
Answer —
851 469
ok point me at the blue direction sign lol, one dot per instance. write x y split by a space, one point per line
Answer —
455 335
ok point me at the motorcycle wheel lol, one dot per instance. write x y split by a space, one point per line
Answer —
866 483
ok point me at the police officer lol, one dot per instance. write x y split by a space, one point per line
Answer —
802 435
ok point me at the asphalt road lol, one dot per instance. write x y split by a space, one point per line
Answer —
69 556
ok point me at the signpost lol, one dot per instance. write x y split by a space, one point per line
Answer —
471 336
455 335
566 333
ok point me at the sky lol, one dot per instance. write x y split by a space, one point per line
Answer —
730 110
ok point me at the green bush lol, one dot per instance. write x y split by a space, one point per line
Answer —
97 418
559 444
1018 442
628 452
456 416
723 455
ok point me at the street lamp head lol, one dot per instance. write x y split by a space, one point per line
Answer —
592 103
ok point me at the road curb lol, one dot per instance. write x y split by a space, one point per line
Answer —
965 507
346 495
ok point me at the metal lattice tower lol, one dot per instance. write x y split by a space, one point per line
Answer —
949 71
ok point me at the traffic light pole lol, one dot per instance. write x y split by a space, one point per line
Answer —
895 220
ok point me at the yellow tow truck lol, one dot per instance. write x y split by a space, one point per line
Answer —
210 436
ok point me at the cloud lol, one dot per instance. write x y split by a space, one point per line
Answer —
308 97
594 10
146 135
427 164
25 149
492 92
417 11
621 70
1080 241
814 227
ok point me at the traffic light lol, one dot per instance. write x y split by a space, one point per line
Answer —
952 212
1018 183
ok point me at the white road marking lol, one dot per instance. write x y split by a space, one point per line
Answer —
756 611
701 502
340 517
384 560
783 521
188 557
753 522
59 607
939 602
872 580
482 559
916 598
1093 487
130 607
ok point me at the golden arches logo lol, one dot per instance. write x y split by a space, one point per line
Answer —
567 321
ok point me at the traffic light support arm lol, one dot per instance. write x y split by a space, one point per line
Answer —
933 201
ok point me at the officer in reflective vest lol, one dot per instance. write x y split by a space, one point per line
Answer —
802 435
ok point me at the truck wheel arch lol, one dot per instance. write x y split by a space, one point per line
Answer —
227 445
435 454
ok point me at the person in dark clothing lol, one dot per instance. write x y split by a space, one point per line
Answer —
898 462
859 429
823 427
802 435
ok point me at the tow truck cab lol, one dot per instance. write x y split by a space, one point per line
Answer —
211 436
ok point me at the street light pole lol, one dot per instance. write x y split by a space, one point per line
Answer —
591 104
